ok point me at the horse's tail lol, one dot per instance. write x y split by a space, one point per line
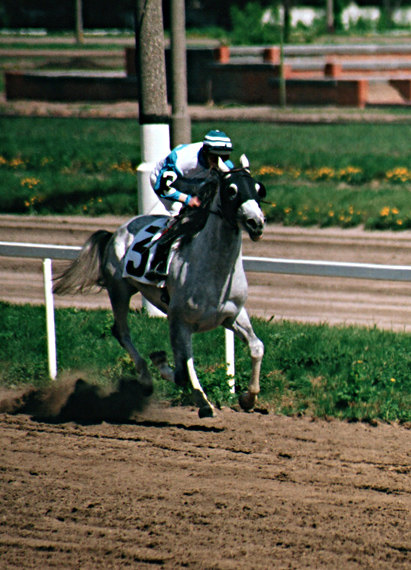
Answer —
85 272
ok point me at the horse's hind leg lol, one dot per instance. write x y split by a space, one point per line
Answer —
120 294
185 373
243 329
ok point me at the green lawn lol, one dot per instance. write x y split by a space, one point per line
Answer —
315 174
346 372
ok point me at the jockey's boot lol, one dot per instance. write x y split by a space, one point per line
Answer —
159 272
159 263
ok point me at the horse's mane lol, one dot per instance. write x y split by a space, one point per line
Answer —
192 220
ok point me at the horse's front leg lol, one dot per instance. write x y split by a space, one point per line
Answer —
243 329
184 374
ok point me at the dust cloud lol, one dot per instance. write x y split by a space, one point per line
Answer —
77 400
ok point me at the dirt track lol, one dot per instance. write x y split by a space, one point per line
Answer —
168 490
240 491
313 299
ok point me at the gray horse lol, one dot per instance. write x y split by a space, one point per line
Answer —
206 283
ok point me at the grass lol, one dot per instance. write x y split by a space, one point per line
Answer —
315 175
322 175
350 373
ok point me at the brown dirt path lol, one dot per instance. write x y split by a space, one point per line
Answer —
382 100
168 490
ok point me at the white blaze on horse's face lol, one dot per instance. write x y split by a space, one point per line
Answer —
240 195
251 219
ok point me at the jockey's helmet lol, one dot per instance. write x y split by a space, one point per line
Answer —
217 142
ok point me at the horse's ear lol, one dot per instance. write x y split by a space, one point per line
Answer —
261 190
245 163
222 165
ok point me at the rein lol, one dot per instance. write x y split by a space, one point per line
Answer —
219 214
219 211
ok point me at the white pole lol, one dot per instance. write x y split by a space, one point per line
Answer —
230 358
51 330
155 145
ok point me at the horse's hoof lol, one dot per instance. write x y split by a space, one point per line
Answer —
159 358
206 412
247 401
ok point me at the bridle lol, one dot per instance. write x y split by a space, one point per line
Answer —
230 218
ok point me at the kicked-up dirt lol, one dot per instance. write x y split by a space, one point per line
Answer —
165 489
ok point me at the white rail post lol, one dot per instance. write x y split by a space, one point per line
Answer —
230 358
155 145
51 329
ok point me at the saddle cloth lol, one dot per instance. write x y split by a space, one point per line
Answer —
142 255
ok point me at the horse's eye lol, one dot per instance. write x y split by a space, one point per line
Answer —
232 191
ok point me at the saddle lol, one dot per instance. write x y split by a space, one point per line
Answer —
148 258
146 253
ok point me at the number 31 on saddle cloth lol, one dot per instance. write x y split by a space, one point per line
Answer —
143 255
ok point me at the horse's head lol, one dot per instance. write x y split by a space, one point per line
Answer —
240 196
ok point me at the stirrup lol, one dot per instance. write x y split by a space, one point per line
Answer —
155 275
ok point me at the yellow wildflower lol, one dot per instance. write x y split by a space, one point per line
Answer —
16 162
399 174
30 182
271 170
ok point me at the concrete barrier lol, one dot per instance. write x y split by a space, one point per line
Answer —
260 84
226 83
239 74
70 87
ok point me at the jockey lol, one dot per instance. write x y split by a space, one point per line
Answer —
186 166
175 178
